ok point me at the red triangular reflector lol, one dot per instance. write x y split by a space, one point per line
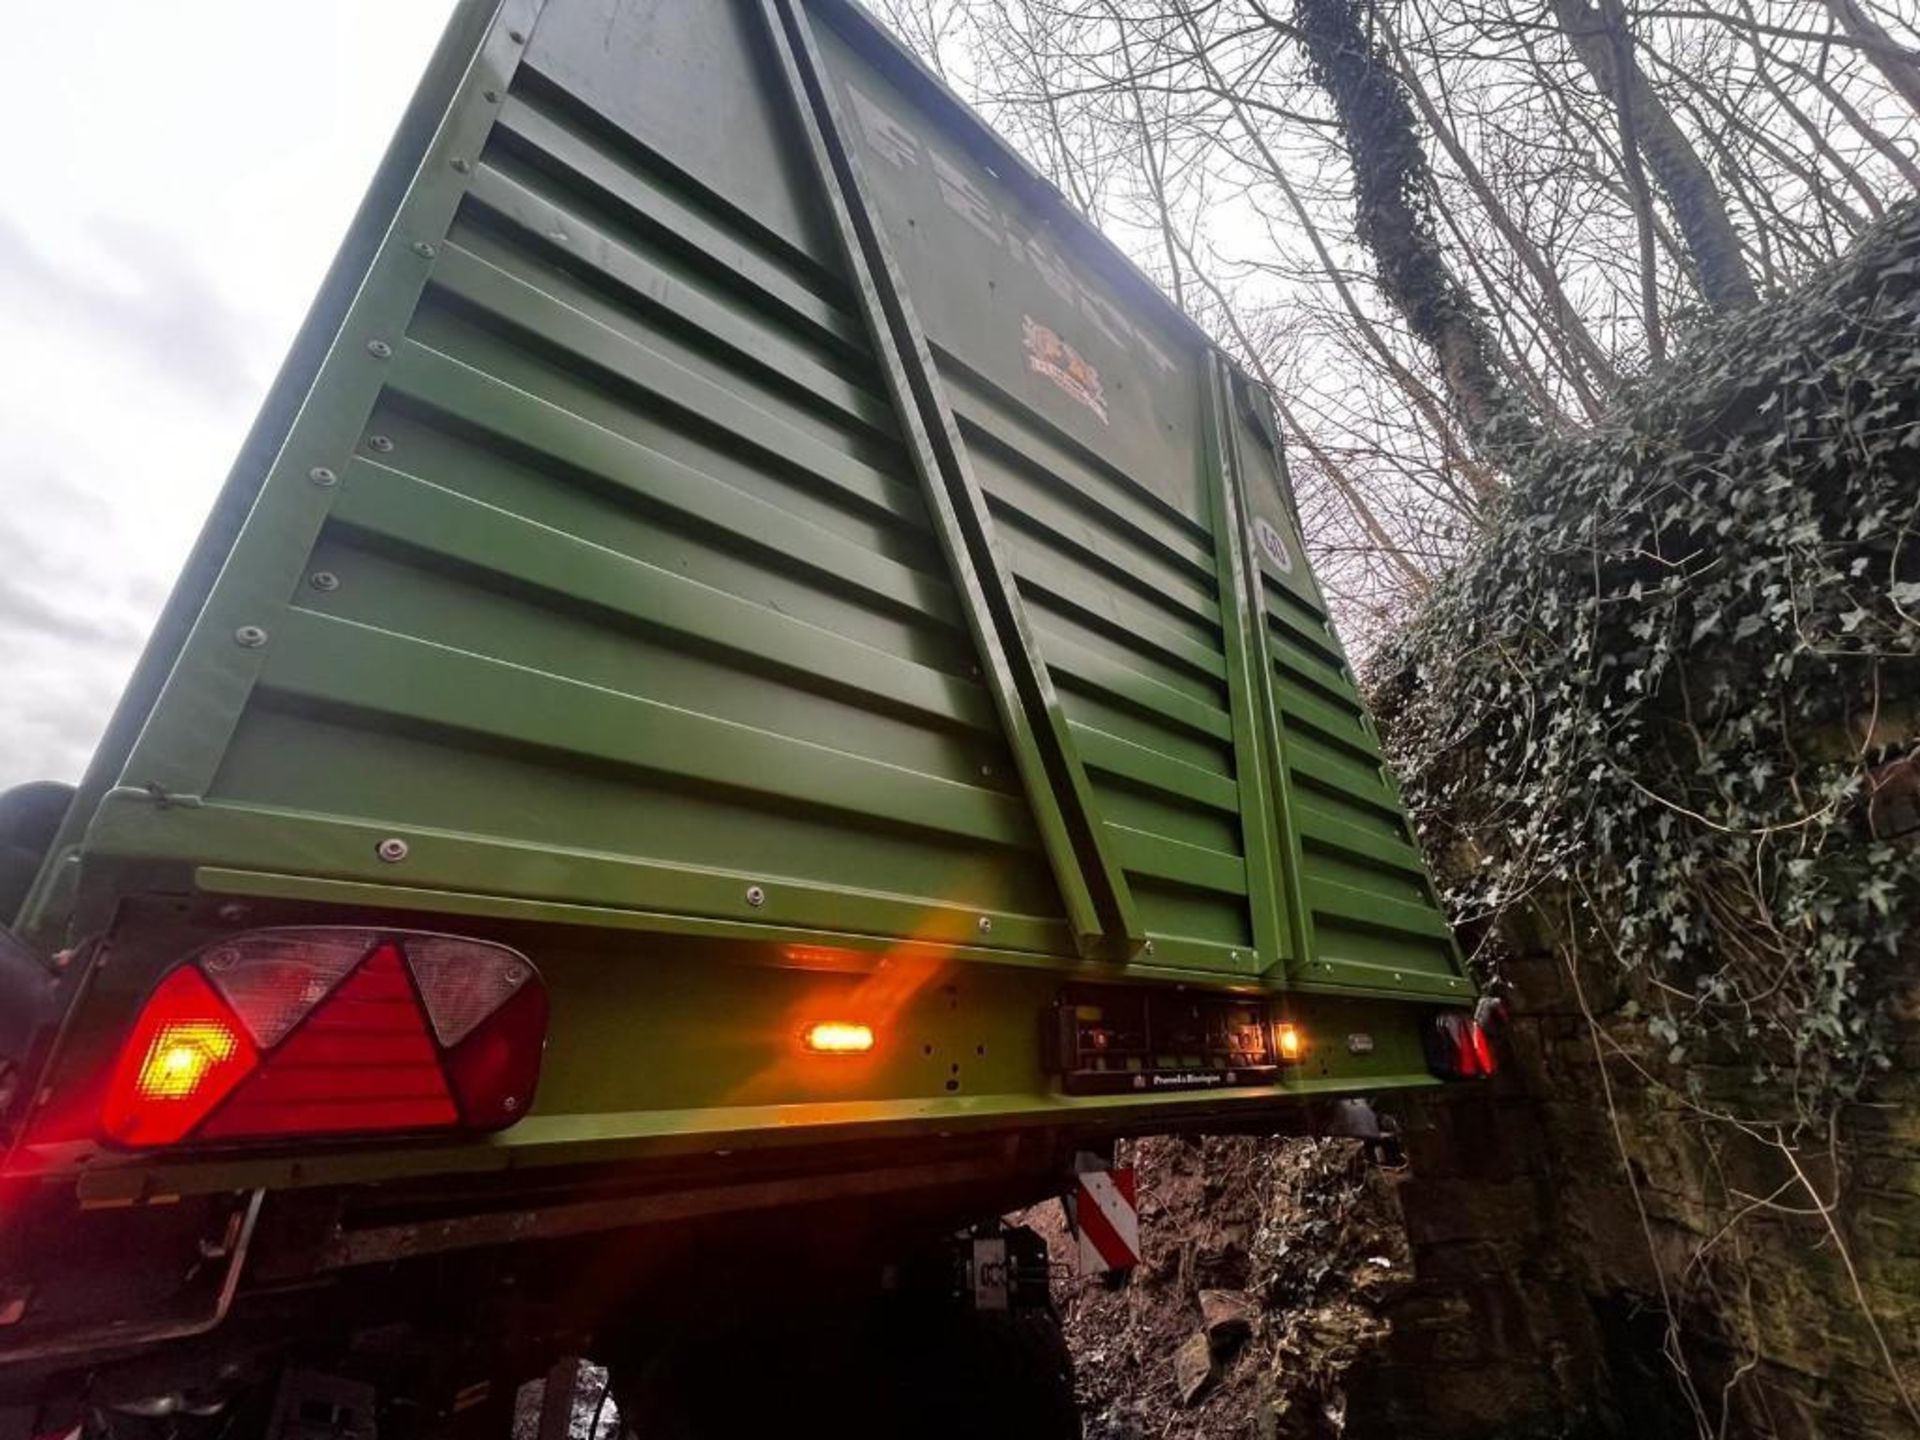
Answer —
363 1061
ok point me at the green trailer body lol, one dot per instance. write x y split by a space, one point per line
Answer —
730 530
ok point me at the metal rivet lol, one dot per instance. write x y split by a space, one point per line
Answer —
324 580
756 897
517 36
392 849
493 97
461 164
1148 947
423 249
251 636
379 443
986 924
510 1104
379 349
321 475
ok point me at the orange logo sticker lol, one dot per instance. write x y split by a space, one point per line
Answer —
1052 357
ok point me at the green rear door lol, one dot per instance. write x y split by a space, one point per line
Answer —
727 495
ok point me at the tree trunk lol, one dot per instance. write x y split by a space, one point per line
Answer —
1684 179
1902 75
1565 317
1440 425
1393 220
1874 136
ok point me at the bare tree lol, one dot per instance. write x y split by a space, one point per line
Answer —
1603 39
1899 66
1432 225
1393 219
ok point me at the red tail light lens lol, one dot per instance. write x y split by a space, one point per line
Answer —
1459 1048
283 1033
361 1061
186 1054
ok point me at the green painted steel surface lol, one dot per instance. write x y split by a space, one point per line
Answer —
724 505
605 536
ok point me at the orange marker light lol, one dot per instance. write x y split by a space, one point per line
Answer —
1293 1045
185 1055
838 1037
181 1057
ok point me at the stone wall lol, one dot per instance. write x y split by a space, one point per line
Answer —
1596 1255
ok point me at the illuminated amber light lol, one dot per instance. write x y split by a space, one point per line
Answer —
1292 1043
181 1057
839 1037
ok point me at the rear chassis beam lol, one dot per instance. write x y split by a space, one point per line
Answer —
261 1280
675 1104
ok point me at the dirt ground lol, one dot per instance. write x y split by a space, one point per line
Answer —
1303 1237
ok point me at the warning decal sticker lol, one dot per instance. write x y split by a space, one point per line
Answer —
1052 357
1274 544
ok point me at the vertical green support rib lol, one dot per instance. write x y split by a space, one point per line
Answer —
1241 628
1099 905
1234 536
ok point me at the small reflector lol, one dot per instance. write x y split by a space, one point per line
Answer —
1292 1044
838 1037
463 981
1105 1211
272 980
1459 1048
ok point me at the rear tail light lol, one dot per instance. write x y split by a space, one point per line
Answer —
185 1055
282 1033
1459 1047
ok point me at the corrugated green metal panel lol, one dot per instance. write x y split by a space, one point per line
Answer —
625 563
1098 496
655 538
1369 913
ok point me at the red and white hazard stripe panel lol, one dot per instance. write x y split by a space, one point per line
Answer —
1107 1215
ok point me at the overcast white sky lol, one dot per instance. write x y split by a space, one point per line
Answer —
178 176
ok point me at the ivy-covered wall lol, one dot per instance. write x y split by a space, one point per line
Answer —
1661 734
